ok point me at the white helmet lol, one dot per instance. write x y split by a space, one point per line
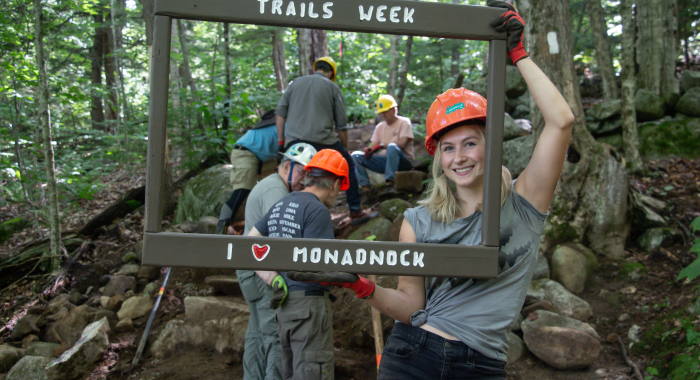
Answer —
300 152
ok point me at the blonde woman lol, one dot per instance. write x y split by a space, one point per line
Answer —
458 328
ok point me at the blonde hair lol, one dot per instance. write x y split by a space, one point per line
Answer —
440 199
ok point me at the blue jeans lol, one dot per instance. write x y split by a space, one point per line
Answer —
395 160
353 192
413 353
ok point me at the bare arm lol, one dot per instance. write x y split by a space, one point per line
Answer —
540 177
408 297
279 122
343 137
265 275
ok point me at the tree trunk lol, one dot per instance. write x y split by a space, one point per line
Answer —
97 113
174 72
118 22
602 49
44 123
319 44
304 42
630 138
112 103
590 203
403 75
227 86
394 65
148 15
212 85
454 64
187 73
279 59
657 46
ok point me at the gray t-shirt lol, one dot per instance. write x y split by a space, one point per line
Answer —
311 105
479 312
298 215
260 200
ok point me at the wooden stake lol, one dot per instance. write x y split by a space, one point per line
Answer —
377 327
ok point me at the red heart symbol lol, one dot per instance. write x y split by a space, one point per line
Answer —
260 251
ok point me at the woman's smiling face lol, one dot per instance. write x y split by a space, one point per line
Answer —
462 155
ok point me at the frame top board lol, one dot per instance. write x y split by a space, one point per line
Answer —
414 18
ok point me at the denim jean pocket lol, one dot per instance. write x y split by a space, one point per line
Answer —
397 346
490 366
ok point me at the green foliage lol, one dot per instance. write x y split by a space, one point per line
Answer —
673 358
693 270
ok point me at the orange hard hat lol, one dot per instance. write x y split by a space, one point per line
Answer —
452 107
331 161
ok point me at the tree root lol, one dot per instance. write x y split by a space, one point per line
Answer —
628 360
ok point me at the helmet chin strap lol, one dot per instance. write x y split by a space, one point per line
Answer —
291 171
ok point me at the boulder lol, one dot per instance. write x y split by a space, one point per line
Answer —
511 130
119 284
521 111
29 368
689 103
614 141
657 237
605 110
115 303
378 227
220 335
67 330
562 348
225 284
395 229
542 318
410 181
76 361
125 325
541 268
515 83
201 309
41 349
129 270
689 79
517 153
204 194
564 302
572 265
148 272
25 326
135 307
648 105
645 211
392 208
516 349
8 357
8 228
110 315
207 225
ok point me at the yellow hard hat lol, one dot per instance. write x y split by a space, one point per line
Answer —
329 61
385 103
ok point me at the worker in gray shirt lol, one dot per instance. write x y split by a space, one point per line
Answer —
307 112
262 355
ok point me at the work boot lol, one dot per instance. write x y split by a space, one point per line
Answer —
221 226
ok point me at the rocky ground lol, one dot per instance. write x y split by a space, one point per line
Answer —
637 300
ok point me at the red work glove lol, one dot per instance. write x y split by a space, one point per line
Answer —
362 287
280 146
511 23
370 151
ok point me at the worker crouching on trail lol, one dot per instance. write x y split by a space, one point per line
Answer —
255 147
391 147
305 315
457 328
261 358
308 111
